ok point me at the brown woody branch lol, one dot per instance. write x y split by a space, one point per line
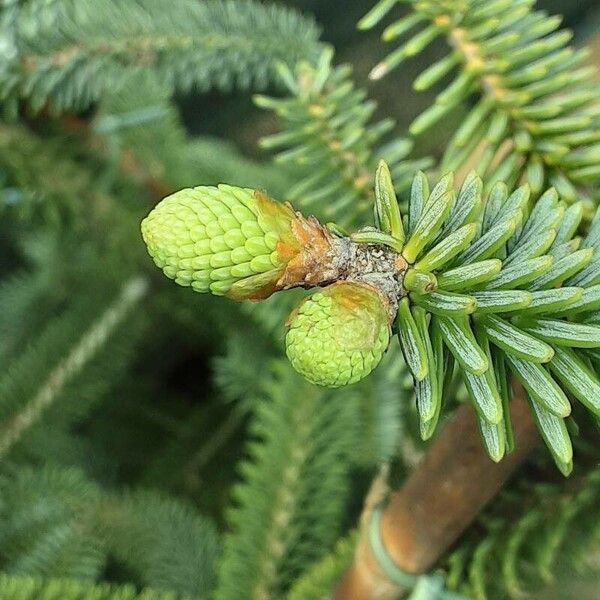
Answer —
437 502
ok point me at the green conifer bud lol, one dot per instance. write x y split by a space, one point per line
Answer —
225 240
339 334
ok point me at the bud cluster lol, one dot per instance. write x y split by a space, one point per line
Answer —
483 286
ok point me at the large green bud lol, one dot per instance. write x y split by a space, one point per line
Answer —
339 334
225 240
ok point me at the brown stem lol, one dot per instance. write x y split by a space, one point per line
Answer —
437 502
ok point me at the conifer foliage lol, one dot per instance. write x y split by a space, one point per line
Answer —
482 282
158 444
329 141
70 53
534 110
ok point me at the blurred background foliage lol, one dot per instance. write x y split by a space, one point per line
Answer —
154 437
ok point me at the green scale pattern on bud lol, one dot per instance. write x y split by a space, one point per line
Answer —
209 237
339 334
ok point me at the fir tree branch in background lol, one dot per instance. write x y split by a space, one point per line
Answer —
23 400
288 511
161 541
165 542
140 137
49 264
23 587
141 130
536 106
25 162
58 539
329 143
534 535
319 580
72 52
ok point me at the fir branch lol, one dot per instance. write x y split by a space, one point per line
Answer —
26 160
464 278
144 137
19 295
20 412
23 587
287 510
239 379
535 534
164 542
493 307
318 581
330 143
46 520
64 433
55 522
88 48
535 106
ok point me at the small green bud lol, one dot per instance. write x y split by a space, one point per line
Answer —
212 238
339 334
419 281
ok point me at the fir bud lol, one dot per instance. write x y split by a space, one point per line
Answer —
224 240
239 243
339 334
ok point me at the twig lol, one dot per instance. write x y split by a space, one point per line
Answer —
83 351
438 501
